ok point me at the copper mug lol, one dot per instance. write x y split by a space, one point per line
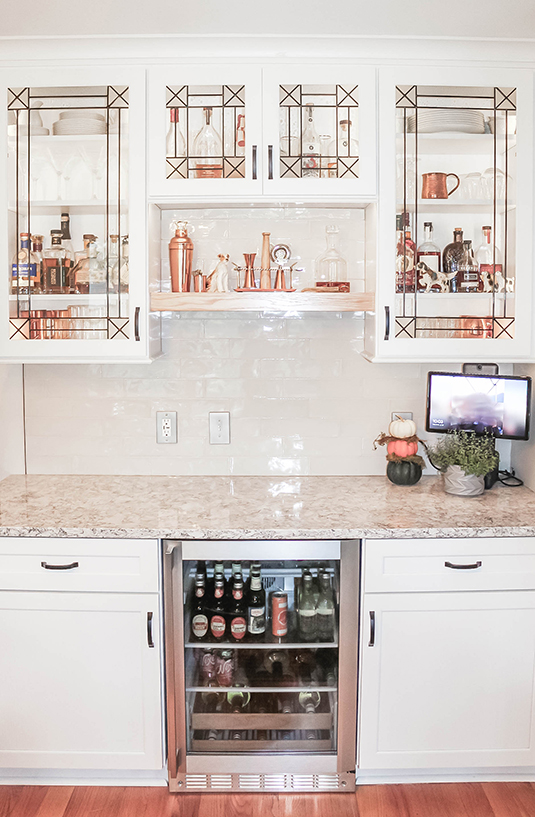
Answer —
434 185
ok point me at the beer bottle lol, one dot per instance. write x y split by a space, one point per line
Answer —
256 606
325 609
199 619
237 610
218 624
307 615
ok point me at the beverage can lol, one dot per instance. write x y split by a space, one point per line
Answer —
279 613
225 668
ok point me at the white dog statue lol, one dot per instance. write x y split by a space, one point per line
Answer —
218 279
429 278
500 283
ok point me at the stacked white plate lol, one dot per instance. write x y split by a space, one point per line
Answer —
445 120
78 123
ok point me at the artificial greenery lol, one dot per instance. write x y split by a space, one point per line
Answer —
475 455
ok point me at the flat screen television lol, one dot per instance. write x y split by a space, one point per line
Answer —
494 404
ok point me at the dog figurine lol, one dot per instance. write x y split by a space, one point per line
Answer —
429 278
218 279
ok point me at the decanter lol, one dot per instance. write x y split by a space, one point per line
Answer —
208 146
310 149
331 266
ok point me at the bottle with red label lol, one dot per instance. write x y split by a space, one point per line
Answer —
199 618
218 623
256 606
237 610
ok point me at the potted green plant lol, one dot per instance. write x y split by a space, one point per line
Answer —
464 458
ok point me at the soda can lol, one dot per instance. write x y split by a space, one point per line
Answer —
279 613
225 668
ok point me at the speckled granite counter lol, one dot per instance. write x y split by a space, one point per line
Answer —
255 508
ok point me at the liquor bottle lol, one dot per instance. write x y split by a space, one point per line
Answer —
309 700
24 268
325 609
468 279
66 234
488 258
208 146
256 606
57 265
310 146
347 145
429 253
237 610
240 133
405 255
199 619
451 255
37 250
175 144
307 615
85 261
218 623
330 266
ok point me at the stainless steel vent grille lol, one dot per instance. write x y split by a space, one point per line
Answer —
265 782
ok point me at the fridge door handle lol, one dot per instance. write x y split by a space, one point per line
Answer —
371 642
150 642
387 323
270 161
255 162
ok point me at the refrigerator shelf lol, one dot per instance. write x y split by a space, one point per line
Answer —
230 746
246 688
263 645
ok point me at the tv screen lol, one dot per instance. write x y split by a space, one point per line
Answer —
495 404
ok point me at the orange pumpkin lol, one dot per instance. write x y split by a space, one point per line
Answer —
402 448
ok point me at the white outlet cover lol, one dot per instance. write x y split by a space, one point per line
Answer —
166 427
219 427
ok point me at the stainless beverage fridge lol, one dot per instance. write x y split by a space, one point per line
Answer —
261 683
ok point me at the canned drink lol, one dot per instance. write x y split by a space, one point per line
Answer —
279 613
225 668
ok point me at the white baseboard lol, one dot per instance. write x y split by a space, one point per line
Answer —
75 777
387 776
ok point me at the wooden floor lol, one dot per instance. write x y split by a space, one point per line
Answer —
430 800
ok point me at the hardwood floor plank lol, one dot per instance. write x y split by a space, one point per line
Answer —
23 801
511 799
55 801
318 805
94 801
382 801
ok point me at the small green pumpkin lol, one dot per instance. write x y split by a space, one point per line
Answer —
404 473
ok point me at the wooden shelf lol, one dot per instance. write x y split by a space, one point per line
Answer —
259 301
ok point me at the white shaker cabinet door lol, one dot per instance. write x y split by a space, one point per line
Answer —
80 683
447 680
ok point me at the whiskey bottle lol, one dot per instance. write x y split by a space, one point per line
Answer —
468 279
57 265
451 256
24 268
429 253
405 255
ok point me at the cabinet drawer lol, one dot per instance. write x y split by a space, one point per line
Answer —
79 564
414 565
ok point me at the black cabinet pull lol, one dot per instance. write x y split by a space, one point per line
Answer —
136 323
150 642
270 161
59 567
371 642
255 162
387 323
463 567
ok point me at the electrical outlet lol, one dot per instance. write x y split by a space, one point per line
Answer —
404 415
166 427
219 426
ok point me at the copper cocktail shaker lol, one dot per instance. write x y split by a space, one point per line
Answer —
249 282
180 258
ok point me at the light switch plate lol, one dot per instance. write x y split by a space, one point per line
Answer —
404 415
166 427
219 426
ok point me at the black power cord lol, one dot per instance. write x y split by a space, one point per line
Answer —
508 479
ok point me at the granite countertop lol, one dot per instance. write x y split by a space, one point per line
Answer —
256 508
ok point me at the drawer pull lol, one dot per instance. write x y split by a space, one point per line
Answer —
255 162
463 567
371 642
59 567
270 161
150 642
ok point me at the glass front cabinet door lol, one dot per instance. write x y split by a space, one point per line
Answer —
73 231
455 216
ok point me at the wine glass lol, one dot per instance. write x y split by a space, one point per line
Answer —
95 159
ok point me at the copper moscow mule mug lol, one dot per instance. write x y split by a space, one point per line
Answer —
434 185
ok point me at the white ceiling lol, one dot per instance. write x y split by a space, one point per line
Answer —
455 18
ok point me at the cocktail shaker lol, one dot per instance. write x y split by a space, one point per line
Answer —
180 258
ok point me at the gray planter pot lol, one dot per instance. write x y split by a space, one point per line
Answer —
461 484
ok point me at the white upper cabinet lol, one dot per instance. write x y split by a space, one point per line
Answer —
455 154
75 156
234 130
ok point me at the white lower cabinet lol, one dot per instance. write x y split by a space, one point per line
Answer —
80 674
447 679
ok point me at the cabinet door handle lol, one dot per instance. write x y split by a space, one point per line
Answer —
150 642
463 567
387 323
136 323
59 567
270 161
255 162
371 642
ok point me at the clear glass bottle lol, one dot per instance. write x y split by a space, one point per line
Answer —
57 265
308 614
468 279
309 701
330 266
24 268
37 250
488 258
310 146
347 144
175 144
208 146
429 253
451 256
405 255
326 609
66 234
82 264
